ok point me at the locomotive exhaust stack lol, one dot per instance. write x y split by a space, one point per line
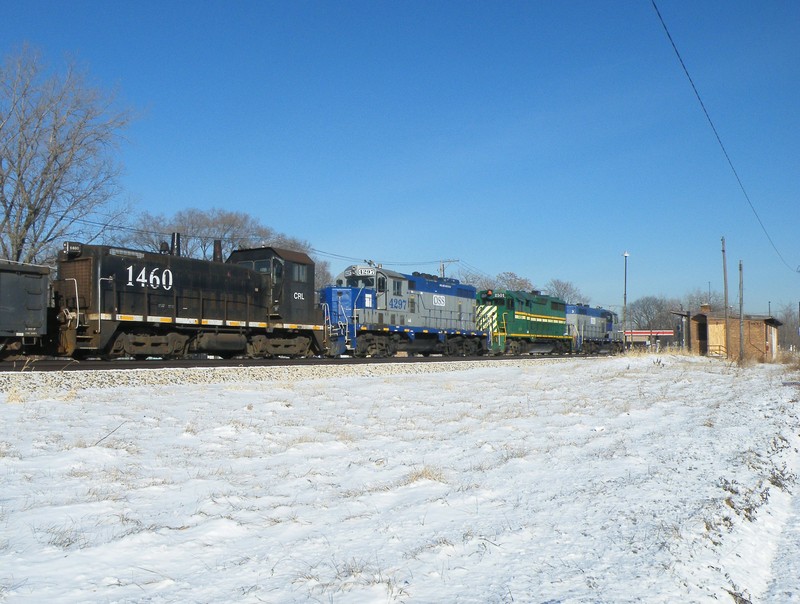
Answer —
175 246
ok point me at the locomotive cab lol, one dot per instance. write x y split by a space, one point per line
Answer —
292 277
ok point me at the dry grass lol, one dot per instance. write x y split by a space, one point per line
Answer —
790 359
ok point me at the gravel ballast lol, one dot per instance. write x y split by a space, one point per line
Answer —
26 385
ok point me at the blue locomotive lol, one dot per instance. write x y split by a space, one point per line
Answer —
373 311
593 330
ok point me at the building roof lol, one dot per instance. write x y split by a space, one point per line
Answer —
717 316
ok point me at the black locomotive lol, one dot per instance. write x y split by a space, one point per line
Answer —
112 302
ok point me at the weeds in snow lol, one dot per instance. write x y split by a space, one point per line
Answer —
63 537
424 473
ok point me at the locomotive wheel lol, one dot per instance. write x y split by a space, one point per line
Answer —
362 348
380 347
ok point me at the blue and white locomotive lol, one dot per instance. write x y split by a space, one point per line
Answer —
377 312
593 330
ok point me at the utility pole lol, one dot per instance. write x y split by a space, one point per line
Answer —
725 285
625 302
741 313
442 264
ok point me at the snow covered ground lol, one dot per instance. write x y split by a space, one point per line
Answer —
638 479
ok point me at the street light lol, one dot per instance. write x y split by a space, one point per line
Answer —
625 302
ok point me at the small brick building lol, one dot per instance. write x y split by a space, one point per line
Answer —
760 336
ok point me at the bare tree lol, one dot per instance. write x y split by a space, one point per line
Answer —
480 281
567 291
236 230
505 280
57 171
789 332
651 312
512 281
693 300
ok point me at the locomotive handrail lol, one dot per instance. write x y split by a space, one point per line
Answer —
326 319
100 299
77 302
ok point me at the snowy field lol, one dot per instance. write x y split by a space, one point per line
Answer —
641 479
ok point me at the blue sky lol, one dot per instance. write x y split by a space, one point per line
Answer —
542 138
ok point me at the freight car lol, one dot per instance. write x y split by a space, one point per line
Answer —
25 313
594 330
522 322
377 312
114 302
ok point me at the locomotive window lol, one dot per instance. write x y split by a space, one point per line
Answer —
511 304
262 266
300 273
360 281
559 306
245 263
397 288
381 284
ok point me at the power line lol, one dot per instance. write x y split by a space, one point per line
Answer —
719 140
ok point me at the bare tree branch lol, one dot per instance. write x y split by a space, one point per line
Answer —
567 291
236 230
57 170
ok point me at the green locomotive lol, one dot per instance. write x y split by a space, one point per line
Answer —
523 322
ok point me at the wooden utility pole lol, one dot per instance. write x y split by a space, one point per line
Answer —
443 264
741 313
725 286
